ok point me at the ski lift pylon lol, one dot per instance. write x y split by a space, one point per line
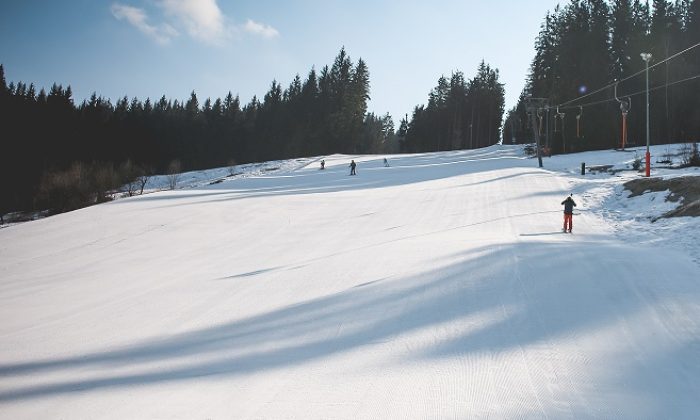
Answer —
625 105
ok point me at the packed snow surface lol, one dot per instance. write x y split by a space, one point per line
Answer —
439 287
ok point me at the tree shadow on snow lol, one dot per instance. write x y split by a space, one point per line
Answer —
537 299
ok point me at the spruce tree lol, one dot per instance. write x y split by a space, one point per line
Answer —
192 105
621 25
3 83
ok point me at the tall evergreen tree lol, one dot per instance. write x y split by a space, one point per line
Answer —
356 105
459 114
622 28
192 105
3 83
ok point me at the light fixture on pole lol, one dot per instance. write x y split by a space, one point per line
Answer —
646 57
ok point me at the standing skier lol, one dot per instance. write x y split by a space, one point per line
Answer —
386 163
323 164
569 205
352 167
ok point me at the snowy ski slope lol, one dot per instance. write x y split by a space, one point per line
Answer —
440 287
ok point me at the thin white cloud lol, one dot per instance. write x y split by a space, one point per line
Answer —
162 34
202 19
255 28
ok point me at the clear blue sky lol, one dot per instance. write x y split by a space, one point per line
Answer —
150 48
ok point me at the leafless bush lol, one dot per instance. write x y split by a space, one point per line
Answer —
666 157
64 190
690 156
134 177
104 180
145 174
174 171
78 186
128 172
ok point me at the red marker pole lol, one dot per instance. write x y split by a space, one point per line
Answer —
648 173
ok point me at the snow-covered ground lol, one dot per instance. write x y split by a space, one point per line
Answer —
201 178
439 287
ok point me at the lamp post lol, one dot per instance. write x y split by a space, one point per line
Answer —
646 57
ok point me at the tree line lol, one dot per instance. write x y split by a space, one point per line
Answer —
587 45
460 114
46 136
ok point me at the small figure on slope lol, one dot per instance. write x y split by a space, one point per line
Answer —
569 205
323 164
352 167
386 163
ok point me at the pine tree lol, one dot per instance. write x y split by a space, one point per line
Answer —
3 83
438 96
231 105
162 105
68 95
340 77
401 134
598 40
311 115
192 105
217 110
356 107
546 66
41 98
622 27
294 90
456 105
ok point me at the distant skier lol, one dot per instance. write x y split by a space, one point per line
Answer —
323 164
353 165
386 163
569 205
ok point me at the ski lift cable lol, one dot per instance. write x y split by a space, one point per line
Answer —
631 94
641 92
633 75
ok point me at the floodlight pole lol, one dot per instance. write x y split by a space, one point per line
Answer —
646 57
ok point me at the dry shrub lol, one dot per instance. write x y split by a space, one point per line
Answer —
78 186
174 171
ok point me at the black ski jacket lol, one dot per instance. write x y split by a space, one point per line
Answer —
569 205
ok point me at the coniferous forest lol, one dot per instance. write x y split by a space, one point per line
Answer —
584 47
460 114
64 156
51 143
46 134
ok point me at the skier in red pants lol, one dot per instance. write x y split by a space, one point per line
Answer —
569 205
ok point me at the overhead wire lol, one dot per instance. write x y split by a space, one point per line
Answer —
631 94
630 76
